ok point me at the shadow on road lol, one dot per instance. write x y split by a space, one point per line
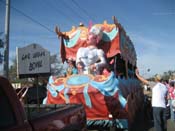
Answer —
142 122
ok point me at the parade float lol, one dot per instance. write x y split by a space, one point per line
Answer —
111 99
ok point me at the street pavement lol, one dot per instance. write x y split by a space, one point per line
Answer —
170 126
142 124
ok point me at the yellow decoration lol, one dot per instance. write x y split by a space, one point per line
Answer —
77 86
74 92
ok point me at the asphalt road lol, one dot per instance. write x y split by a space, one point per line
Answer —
144 124
170 126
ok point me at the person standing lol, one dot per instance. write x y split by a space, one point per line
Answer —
159 98
171 93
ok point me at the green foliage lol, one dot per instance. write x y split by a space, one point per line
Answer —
165 76
168 75
13 73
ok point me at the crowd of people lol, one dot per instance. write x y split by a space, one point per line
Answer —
163 96
171 98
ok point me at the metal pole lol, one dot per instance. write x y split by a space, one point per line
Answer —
38 101
6 43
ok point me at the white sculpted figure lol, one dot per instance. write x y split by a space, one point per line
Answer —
90 59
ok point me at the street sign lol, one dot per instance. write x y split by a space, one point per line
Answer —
16 85
32 60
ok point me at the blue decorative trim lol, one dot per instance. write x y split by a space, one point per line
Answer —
66 95
119 123
53 90
71 42
77 80
108 87
86 97
109 36
122 99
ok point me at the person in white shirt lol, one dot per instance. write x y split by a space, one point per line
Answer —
90 59
159 96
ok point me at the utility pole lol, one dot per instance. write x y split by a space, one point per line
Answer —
6 43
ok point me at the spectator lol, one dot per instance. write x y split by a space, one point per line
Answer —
159 96
171 94
71 67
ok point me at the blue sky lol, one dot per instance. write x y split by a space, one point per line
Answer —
148 23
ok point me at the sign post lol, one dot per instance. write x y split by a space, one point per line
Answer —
33 61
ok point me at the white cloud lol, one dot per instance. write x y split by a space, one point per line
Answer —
156 64
147 44
153 54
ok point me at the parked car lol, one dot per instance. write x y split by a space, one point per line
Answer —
15 116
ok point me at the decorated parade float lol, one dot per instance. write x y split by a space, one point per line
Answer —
110 99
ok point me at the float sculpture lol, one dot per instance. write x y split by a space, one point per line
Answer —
109 99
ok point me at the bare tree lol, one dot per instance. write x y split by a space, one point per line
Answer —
57 67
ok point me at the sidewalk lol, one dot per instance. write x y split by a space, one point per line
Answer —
170 126
141 125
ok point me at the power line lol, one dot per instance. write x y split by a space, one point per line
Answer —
29 17
59 11
69 7
83 10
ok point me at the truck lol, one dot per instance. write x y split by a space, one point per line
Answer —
14 116
111 100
